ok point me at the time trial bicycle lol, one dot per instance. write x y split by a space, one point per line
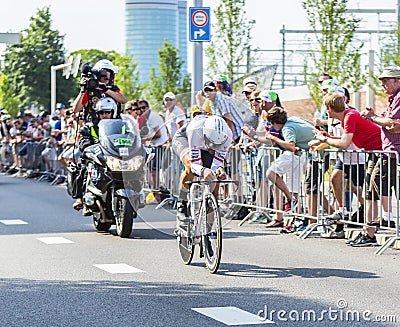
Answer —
203 227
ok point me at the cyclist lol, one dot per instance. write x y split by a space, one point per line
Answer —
201 146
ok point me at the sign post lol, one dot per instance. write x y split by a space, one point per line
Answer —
199 31
199 24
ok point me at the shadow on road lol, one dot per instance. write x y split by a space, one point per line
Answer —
253 271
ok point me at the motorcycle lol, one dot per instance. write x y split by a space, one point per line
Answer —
115 175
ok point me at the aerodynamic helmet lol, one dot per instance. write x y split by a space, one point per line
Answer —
215 132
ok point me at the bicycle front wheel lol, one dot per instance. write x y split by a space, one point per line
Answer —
211 234
186 244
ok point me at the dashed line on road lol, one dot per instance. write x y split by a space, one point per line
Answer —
232 316
13 222
118 268
54 240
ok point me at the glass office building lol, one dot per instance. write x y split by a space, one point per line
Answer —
147 24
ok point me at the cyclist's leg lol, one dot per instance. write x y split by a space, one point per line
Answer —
180 146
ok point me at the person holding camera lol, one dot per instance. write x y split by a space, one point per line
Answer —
96 83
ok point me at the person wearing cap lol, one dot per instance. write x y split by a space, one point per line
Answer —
383 175
247 90
175 117
225 107
327 85
155 135
363 133
249 80
221 82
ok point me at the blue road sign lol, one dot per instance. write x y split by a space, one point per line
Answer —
199 24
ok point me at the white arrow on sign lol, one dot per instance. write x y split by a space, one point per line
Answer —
199 33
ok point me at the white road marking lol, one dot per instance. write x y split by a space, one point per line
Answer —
118 268
232 316
13 222
54 240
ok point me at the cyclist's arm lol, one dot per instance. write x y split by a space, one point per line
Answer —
196 165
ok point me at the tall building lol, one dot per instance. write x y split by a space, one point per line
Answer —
147 24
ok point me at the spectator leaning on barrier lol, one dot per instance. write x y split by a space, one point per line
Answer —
385 170
175 118
365 135
349 170
297 133
155 134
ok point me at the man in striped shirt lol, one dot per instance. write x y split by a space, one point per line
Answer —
225 107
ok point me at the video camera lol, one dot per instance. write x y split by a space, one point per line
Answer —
91 75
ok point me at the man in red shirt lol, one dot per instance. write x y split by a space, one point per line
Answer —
364 134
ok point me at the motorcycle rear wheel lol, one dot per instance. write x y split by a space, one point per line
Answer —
124 217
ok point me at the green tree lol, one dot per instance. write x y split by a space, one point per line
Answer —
169 78
338 53
128 77
230 41
27 64
388 55
8 100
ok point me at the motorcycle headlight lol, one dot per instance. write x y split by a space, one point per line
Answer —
123 165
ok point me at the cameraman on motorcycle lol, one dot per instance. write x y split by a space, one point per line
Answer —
104 72
96 96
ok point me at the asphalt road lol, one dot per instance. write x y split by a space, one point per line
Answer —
87 278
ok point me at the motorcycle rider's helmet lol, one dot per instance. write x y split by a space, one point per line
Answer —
108 66
107 104
215 132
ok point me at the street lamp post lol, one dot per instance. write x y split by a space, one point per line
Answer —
53 85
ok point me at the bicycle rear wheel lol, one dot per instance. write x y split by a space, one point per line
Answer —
211 234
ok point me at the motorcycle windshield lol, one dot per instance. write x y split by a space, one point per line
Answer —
119 137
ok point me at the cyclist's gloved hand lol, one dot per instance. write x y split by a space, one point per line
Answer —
209 175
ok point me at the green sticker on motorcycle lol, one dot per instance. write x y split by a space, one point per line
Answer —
123 141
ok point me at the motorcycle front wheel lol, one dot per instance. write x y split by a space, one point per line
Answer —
124 217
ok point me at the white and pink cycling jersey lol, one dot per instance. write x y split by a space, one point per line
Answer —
194 132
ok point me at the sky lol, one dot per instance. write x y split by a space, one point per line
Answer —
100 23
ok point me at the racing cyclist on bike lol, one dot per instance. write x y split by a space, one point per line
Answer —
201 146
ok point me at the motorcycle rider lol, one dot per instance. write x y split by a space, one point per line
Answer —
103 73
106 108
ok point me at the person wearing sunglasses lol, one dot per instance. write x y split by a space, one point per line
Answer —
153 133
175 118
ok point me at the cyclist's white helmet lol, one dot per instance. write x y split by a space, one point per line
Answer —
107 104
105 64
215 132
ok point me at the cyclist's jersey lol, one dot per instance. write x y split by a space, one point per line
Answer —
194 132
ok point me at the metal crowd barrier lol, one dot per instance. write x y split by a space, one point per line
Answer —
316 197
